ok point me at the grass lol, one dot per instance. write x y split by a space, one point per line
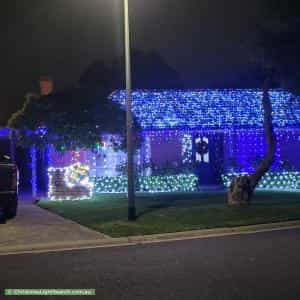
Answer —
161 213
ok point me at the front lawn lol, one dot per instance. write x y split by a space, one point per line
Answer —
161 213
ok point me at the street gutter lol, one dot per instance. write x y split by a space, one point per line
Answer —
147 239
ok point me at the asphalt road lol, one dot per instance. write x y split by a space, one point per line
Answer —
256 266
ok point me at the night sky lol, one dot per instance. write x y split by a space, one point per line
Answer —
201 39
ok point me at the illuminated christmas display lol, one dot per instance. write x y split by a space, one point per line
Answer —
187 148
151 184
210 109
70 183
33 168
192 138
272 181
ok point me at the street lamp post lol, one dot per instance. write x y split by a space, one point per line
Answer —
129 123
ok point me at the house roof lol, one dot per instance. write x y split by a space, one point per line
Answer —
210 109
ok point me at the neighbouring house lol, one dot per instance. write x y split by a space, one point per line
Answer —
190 139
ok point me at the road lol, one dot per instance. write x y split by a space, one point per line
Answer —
253 266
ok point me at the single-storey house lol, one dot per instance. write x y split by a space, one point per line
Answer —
190 138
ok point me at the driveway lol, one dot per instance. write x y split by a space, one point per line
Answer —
37 228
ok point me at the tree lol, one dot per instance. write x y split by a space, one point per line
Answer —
277 47
96 74
75 118
149 71
242 187
278 42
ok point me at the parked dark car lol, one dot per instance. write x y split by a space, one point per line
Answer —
8 188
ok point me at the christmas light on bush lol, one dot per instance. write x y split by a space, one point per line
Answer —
271 180
151 184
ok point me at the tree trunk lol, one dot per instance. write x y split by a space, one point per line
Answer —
241 188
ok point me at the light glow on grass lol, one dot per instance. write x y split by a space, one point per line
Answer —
171 212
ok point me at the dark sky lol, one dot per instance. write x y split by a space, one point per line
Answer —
201 39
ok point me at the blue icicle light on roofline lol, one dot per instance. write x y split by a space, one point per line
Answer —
210 109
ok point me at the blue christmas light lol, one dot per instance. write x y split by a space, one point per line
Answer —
33 158
210 109
4 132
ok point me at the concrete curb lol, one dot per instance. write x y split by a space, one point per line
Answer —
146 239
